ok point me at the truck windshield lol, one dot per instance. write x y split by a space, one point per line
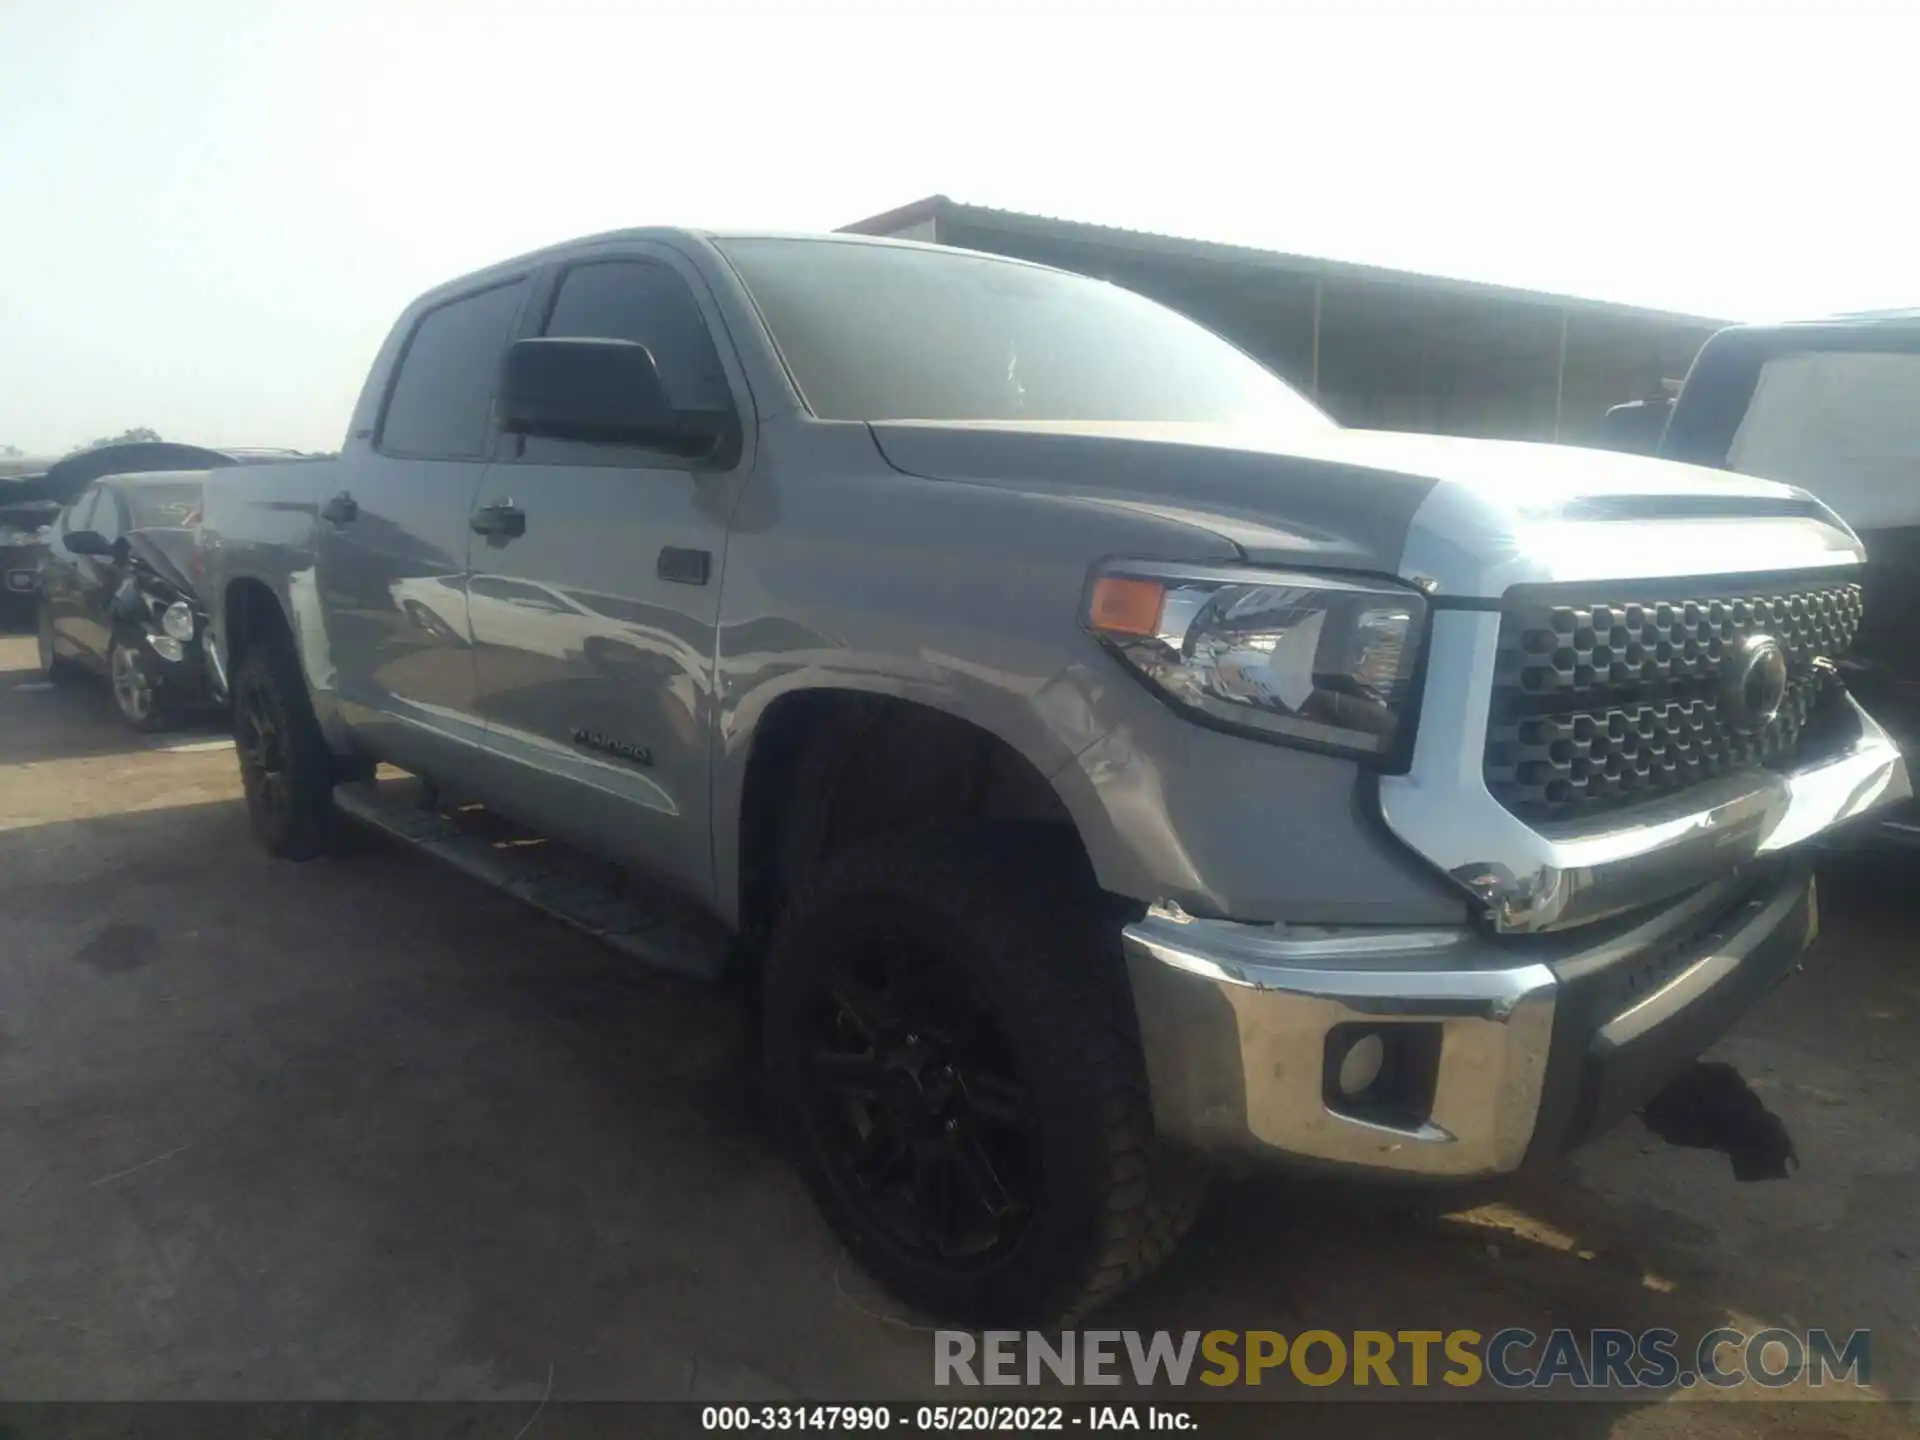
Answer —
1843 423
895 332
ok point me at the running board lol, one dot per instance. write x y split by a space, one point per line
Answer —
658 929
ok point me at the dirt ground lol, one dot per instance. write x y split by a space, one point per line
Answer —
360 1129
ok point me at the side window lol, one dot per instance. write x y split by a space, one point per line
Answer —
106 516
645 302
648 303
441 403
80 512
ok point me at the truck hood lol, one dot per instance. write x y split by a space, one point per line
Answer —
1463 517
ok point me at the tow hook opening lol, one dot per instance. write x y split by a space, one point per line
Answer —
1382 1073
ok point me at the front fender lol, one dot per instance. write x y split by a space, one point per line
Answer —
966 599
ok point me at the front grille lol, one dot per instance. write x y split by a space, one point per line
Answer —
1598 705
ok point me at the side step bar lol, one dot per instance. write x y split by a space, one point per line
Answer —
588 894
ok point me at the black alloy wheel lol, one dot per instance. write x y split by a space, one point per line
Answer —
285 767
260 737
950 1034
913 1100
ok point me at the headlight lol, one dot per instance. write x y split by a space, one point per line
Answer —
166 647
177 620
1305 659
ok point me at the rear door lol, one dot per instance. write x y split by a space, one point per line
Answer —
593 625
392 552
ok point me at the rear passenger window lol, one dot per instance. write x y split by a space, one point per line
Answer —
648 303
441 403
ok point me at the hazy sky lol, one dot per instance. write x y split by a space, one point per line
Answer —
211 210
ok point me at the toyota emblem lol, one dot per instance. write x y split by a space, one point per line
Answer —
1754 684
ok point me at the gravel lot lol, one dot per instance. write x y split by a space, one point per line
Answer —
361 1130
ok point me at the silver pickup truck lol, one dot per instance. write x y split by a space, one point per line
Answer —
1103 759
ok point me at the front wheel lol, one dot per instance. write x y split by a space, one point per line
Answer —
135 694
949 1025
285 767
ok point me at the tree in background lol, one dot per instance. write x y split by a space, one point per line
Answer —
10 452
125 437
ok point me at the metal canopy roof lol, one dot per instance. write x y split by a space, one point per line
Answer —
1145 244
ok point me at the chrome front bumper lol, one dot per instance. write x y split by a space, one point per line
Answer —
1532 1042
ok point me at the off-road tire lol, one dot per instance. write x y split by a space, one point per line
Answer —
1020 916
290 799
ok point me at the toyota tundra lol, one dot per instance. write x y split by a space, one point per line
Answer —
1101 760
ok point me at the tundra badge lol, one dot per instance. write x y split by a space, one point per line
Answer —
594 740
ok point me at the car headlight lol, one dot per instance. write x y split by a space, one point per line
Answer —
1303 659
177 620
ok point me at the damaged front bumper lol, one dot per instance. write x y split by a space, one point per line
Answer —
1601 961
1490 1051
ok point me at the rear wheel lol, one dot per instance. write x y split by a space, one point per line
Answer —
285 767
953 1036
135 694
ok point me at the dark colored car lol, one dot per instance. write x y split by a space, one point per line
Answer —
116 597
26 509
32 493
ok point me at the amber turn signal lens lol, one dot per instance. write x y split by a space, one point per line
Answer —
1127 607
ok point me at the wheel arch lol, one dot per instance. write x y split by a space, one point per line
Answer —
250 612
825 767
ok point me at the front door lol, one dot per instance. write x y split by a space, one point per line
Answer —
595 589
60 574
392 552
97 579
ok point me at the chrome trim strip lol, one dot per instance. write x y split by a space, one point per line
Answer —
1532 880
1261 957
1168 928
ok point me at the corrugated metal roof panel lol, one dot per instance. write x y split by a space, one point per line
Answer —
1148 242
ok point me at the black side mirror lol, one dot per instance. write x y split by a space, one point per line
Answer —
88 542
579 388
